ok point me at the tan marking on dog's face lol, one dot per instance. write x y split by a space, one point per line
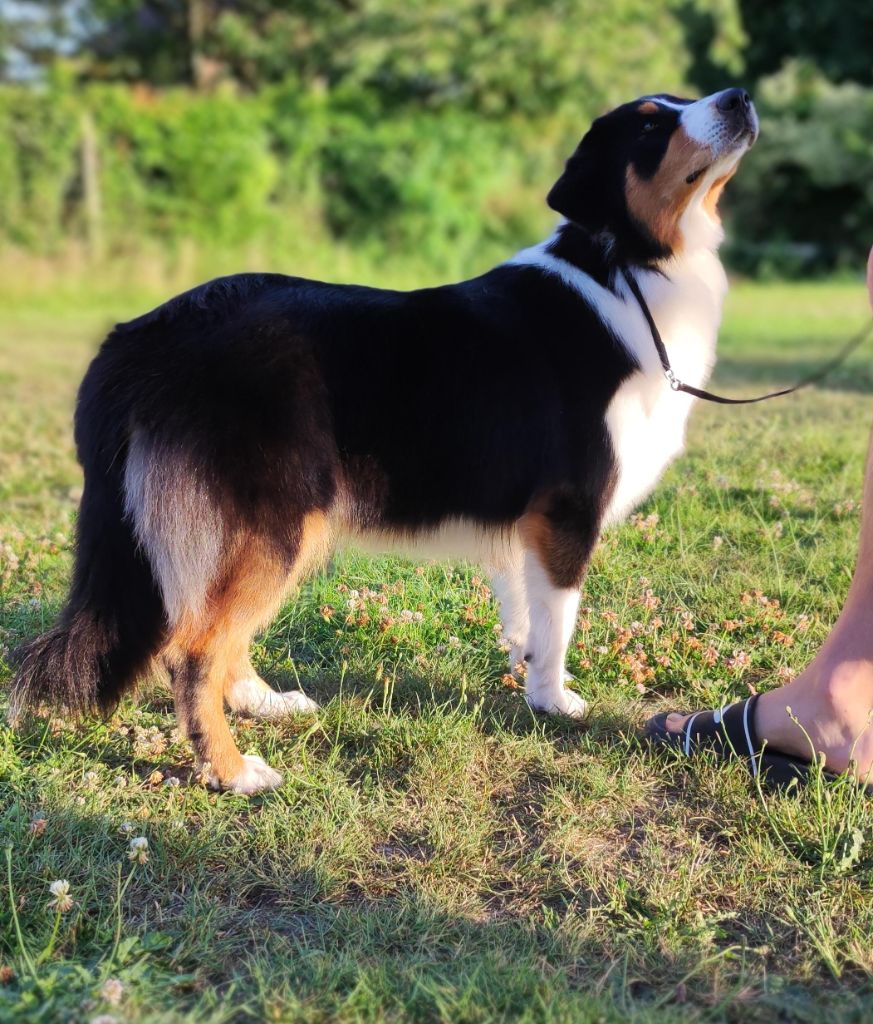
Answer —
648 108
710 200
659 202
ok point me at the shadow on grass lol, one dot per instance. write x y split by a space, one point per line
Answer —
503 708
212 927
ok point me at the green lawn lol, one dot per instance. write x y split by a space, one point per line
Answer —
436 852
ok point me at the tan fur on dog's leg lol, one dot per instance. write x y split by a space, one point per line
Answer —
205 649
208 653
245 691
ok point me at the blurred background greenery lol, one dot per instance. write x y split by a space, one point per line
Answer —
149 143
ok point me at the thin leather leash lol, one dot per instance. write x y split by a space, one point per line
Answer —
708 396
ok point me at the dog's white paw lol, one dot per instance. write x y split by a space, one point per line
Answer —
256 777
558 702
278 705
253 697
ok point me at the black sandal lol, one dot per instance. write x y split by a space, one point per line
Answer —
730 732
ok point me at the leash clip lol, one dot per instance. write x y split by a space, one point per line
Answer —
675 383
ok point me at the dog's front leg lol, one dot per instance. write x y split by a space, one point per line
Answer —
552 619
509 589
556 556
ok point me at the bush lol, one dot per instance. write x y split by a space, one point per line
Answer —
453 187
38 171
804 199
233 169
176 164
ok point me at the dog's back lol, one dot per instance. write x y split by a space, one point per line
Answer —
232 436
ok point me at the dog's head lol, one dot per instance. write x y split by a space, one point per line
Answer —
648 175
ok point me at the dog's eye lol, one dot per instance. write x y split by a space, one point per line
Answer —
649 126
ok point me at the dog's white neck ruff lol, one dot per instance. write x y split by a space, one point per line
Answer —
646 419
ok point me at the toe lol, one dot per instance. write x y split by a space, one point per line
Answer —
296 702
256 777
575 706
675 722
563 702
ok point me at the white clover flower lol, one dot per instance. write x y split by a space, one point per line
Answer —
112 990
171 780
91 778
126 827
104 1018
60 890
454 641
139 850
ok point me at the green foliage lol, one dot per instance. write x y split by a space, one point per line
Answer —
492 56
418 183
428 126
38 176
232 169
804 199
182 165
833 34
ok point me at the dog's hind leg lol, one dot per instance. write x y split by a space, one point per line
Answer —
204 650
244 690
208 650
200 710
250 695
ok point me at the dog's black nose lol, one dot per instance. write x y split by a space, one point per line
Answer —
733 99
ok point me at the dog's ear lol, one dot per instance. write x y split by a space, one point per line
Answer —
579 194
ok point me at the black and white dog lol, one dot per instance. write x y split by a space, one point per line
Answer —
233 436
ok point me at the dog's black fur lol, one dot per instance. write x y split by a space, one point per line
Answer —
388 412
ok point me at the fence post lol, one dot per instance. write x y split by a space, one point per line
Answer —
91 187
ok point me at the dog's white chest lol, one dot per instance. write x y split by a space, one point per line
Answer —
646 418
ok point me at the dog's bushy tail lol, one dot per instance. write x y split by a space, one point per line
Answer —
113 623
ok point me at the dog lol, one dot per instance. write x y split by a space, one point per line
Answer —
234 436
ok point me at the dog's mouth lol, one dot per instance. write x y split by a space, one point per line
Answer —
748 134
694 175
743 141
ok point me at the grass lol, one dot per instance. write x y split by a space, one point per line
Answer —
436 852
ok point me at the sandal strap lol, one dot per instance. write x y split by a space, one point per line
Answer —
726 731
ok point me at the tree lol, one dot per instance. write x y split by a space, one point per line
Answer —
496 57
833 34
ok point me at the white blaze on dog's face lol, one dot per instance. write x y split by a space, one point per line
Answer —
648 175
